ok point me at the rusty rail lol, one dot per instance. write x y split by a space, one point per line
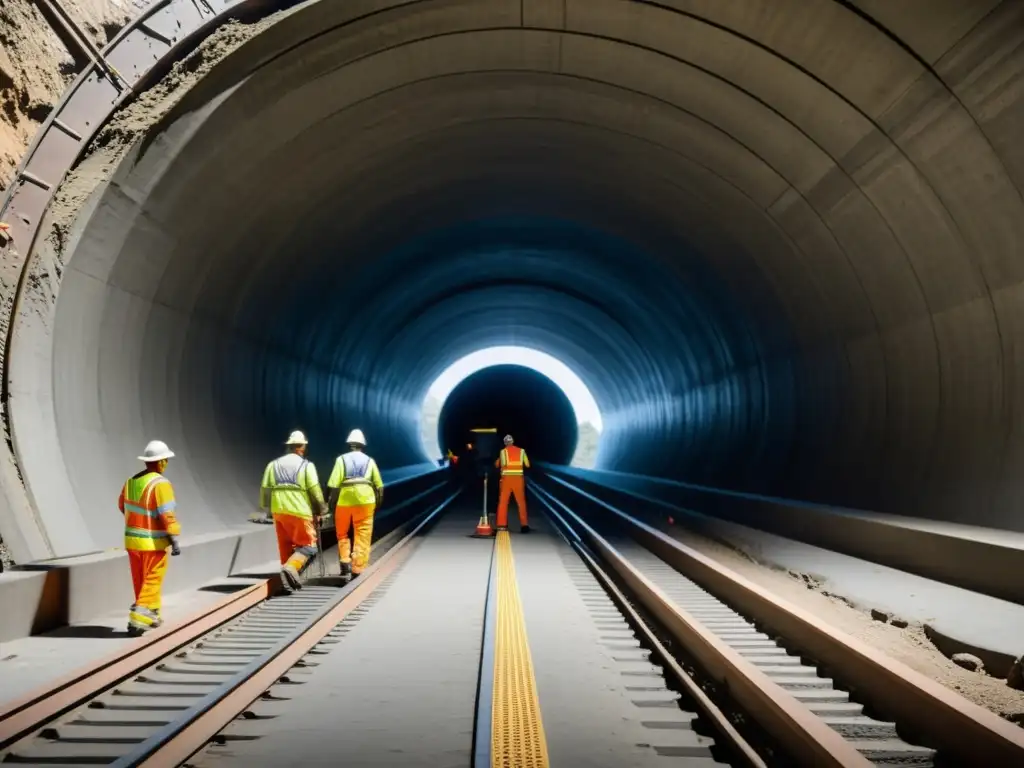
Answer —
19 719
805 736
951 724
177 742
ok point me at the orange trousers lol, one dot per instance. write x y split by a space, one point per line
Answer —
296 540
357 549
148 571
511 485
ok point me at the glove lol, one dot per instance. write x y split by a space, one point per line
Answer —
175 549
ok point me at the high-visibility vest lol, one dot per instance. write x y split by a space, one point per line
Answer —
512 460
149 521
291 483
357 477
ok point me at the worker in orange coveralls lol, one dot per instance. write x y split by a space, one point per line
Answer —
150 529
356 485
512 461
291 489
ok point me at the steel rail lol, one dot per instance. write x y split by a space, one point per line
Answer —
803 734
21 717
18 719
179 740
956 727
742 752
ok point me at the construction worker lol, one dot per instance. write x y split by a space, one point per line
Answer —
356 486
512 461
291 490
150 529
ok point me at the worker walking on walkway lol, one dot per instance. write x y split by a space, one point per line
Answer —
291 490
150 529
512 461
356 484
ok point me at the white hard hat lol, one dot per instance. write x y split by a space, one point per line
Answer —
356 437
508 439
156 450
297 438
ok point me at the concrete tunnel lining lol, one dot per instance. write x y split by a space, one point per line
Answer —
835 317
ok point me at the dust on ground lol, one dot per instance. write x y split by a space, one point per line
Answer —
36 67
909 645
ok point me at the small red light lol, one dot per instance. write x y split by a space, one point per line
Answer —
671 521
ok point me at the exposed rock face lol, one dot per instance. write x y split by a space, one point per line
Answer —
35 67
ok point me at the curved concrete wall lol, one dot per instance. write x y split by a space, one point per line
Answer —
779 240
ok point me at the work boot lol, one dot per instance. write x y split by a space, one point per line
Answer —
290 578
135 631
346 573
524 529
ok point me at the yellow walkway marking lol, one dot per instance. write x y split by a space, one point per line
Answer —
517 731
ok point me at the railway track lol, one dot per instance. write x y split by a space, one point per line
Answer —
164 698
828 698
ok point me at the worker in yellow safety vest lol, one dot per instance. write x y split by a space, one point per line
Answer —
150 529
511 461
356 485
291 490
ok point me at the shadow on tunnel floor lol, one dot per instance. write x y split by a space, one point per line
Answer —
228 589
89 631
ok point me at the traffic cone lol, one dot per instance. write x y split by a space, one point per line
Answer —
483 528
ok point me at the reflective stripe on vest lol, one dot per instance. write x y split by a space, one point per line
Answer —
357 469
287 478
511 460
141 514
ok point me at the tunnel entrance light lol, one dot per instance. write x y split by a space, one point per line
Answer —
588 415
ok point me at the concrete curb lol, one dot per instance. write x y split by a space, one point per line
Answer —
40 597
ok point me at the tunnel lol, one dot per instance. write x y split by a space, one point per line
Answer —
779 241
513 400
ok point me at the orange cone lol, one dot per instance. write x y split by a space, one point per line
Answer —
483 528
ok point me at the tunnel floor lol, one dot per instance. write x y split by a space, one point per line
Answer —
770 562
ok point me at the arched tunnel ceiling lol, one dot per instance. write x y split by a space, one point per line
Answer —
779 239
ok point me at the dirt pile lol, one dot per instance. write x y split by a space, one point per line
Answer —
35 66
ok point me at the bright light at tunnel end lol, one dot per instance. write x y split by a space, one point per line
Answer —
583 403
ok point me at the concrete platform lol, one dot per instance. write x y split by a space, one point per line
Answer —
39 597
400 688
956 619
595 709
979 559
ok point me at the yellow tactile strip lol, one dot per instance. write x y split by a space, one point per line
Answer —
517 731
